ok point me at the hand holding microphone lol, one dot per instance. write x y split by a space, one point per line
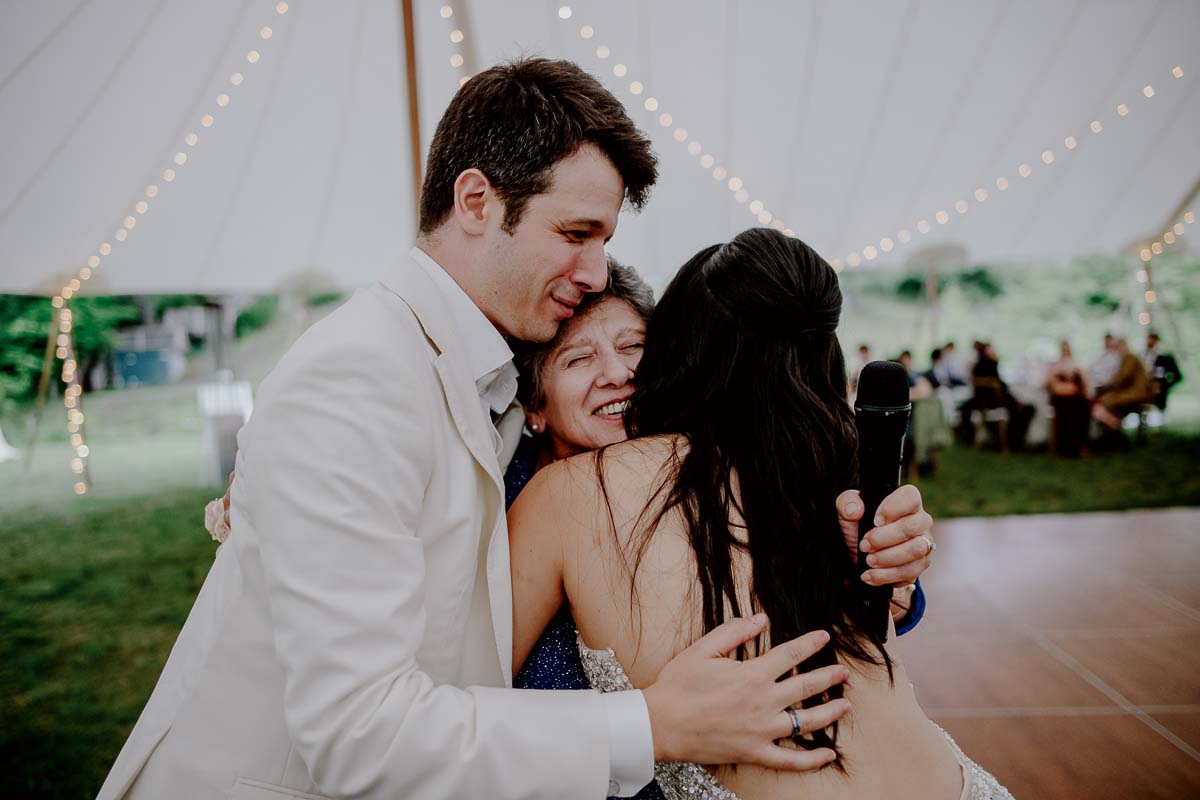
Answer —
881 413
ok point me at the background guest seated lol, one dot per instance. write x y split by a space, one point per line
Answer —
1067 387
1006 417
1163 370
1125 392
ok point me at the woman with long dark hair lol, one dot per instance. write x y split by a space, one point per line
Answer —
723 506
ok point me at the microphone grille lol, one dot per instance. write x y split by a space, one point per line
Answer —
883 384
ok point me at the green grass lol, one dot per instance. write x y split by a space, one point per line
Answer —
93 590
92 595
1162 471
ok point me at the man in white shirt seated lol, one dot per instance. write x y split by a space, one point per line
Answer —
947 369
1102 368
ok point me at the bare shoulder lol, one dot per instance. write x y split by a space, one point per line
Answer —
551 502
628 565
624 466
639 464
590 495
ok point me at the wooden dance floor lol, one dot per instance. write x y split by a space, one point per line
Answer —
1063 652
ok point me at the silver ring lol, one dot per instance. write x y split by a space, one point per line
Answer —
932 544
791 712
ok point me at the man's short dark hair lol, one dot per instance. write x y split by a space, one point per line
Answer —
515 121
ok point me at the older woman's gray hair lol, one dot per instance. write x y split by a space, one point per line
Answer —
624 283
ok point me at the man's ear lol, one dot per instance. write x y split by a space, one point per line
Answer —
473 194
536 420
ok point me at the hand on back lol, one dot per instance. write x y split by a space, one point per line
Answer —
709 708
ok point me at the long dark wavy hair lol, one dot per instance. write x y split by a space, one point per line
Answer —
741 360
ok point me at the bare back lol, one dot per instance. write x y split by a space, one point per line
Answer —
887 744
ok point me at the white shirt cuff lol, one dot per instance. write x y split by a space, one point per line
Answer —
630 743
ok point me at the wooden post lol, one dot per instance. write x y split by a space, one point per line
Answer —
35 422
414 111
1183 205
932 298
1184 354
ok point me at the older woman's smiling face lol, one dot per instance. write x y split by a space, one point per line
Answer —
588 377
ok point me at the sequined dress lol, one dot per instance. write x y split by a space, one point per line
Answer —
682 780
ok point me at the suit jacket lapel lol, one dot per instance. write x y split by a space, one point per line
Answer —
463 401
462 397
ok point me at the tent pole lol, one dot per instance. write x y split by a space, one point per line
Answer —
1177 212
932 297
414 111
215 313
43 388
1180 347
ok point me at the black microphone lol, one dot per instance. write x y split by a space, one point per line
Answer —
881 412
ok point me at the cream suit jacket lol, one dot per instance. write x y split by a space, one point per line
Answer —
366 579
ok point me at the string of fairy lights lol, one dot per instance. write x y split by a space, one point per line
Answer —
905 235
458 58
961 206
704 157
1147 253
65 350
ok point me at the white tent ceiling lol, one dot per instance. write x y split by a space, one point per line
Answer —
849 121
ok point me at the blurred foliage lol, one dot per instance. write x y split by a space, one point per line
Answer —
1104 301
979 284
256 315
166 301
912 287
1023 309
24 326
325 298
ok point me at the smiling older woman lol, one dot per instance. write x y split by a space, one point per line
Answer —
574 387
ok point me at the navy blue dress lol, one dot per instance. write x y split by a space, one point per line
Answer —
554 661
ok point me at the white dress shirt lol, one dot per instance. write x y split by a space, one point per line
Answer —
631 743
1149 359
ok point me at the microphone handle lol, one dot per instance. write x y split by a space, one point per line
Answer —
881 444
878 598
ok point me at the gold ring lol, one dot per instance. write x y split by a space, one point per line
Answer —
932 545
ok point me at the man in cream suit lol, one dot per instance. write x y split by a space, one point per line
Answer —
353 638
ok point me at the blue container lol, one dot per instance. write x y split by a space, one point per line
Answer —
140 367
